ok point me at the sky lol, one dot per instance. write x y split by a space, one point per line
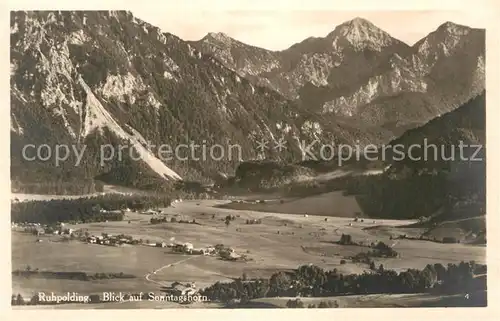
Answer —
278 24
279 29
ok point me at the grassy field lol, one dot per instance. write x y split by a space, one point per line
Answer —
326 204
282 241
368 301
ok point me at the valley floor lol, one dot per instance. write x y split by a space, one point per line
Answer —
281 242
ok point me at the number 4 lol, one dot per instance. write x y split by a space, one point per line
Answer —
467 296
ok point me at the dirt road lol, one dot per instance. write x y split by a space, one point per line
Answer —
148 276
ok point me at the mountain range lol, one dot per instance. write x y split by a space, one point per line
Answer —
92 78
359 72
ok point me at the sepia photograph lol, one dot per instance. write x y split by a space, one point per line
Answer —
229 159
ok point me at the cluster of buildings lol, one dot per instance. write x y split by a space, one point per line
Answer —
254 221
111 240
179 289
176 247
25 227
188 248
42 229
226 253
151 211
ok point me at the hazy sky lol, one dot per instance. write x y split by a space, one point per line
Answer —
280 29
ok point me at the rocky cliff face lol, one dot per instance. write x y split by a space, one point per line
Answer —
89 79
83 77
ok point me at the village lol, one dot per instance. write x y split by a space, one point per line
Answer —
44 231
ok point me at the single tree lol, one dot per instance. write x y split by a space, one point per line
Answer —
35 299
322 305
20 299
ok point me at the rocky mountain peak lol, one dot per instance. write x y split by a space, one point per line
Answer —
220 37
358 23
448 37
453 28
360 33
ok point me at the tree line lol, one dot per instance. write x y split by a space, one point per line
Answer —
298 304
90 209
74 187
313 281
81 276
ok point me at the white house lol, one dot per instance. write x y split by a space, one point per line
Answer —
161 244
234 256
188 247
182 290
